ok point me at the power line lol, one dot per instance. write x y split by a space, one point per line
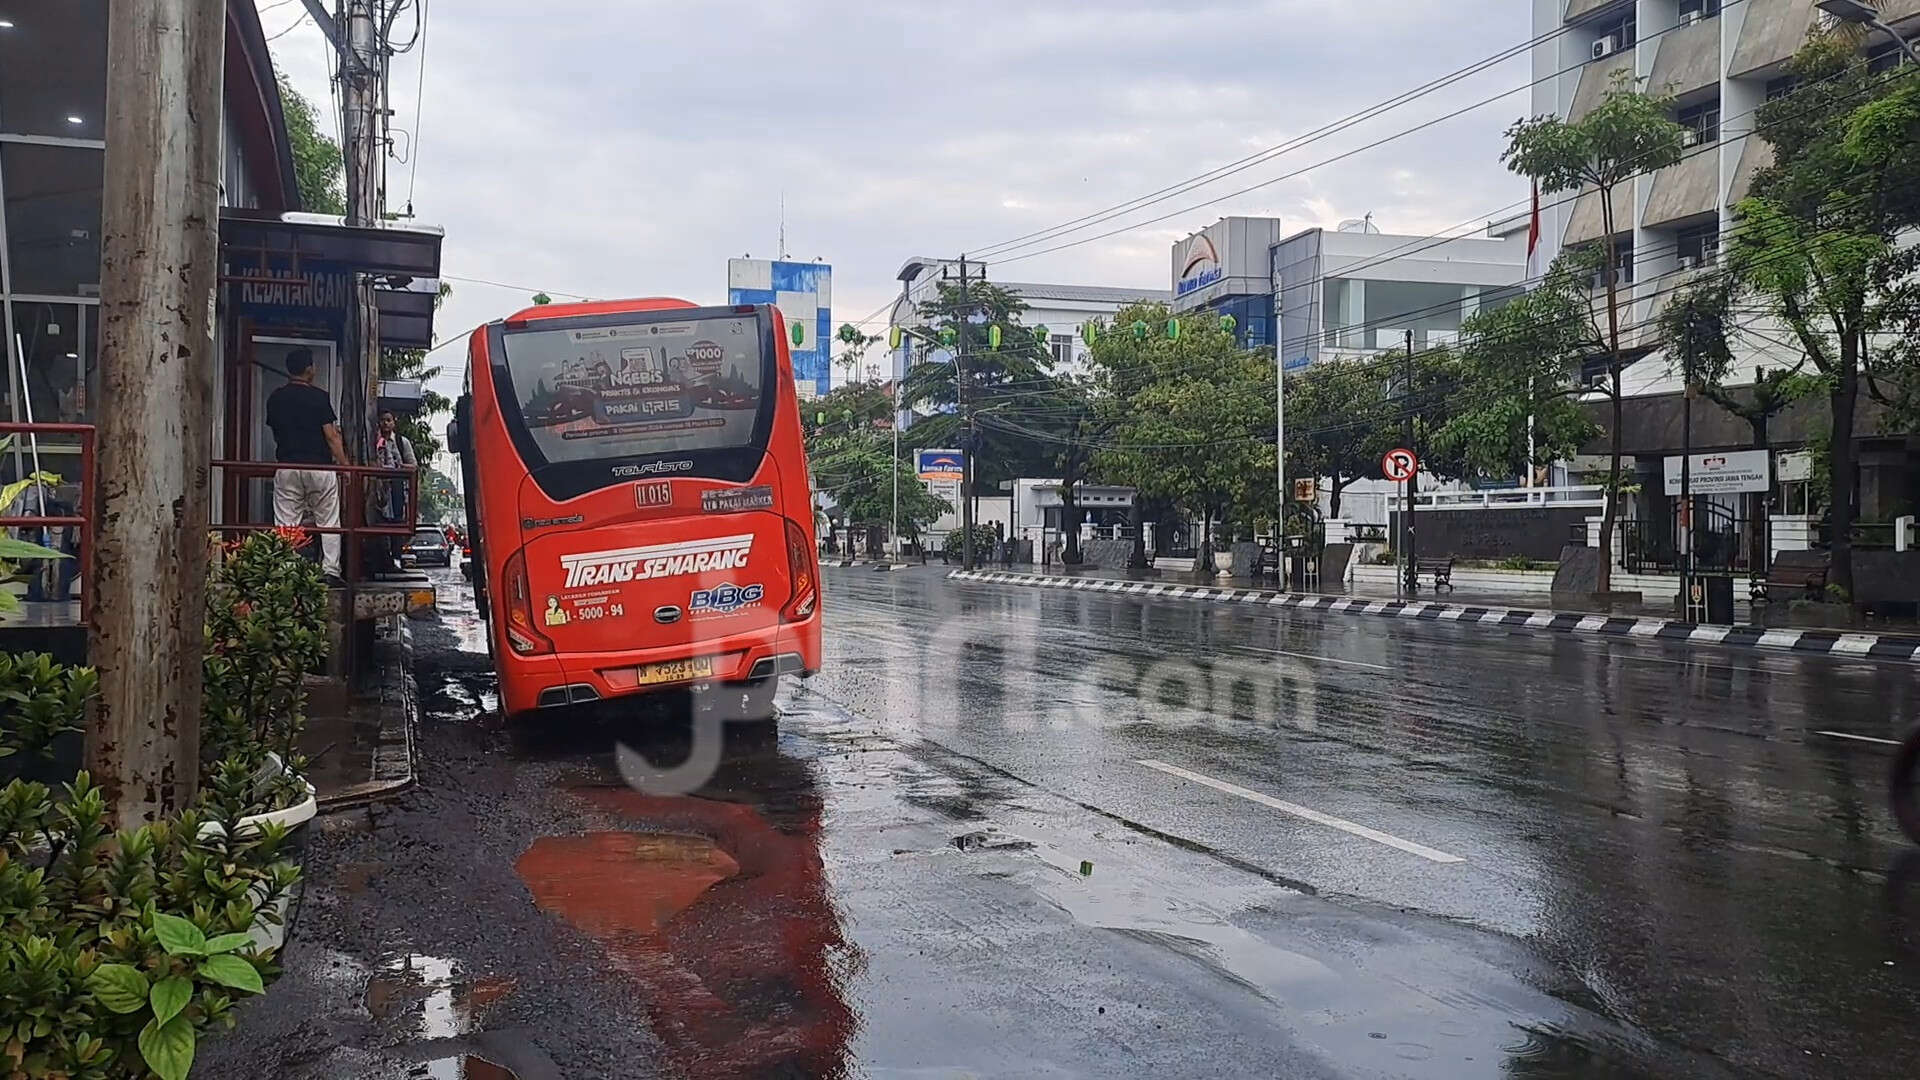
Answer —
1276 150
419 106
1305 169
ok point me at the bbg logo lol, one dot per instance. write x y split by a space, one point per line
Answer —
726 599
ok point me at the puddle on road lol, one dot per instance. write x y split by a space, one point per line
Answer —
720 913
428 998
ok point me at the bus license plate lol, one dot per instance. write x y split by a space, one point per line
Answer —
700 667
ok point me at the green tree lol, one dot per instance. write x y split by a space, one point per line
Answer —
1526 361
1188 409
1628 133
859 472
996 376
317 163
1817 247
440 498
1338 424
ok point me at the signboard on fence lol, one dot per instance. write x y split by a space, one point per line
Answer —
1306 491
1726 473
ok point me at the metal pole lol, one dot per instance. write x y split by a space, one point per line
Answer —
1279 447
159 251
1687 605
960 399
1413 481
1906 47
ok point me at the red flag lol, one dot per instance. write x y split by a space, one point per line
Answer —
1534 270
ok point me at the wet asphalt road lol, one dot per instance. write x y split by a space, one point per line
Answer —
1014 832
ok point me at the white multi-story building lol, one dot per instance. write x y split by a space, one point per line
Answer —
1059 308
1354 291
1720 61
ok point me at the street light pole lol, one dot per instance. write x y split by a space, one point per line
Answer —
1866 14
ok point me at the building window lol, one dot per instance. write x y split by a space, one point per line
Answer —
1884 57
53 196
1702 121
53 68
1701 244
1698 9
1621 30
1781 87
1062 346
1622 261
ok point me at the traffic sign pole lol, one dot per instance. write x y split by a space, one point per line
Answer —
1401 465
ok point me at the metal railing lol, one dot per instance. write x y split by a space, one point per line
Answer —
1497 498
80 519
353 527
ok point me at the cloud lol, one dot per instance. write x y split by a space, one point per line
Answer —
580 147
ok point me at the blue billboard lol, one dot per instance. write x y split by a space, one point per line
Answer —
804 294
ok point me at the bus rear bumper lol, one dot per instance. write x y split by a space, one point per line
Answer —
541 682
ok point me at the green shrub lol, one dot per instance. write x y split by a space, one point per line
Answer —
40 700
118 950
983 541
1515 562
266 628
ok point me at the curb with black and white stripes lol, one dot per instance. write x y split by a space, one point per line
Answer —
1820 642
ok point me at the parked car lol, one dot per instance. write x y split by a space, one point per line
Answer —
428 547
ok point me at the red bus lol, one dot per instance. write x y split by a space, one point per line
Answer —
638 504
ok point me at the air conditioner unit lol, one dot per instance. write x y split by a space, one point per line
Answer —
1688 18
1689 137
1605 46
1688 262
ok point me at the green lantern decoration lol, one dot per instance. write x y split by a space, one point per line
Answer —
1140 330
798 332
1040 333
993 336
1173 329
893 337
1090 331
948 337
849 333
1227 323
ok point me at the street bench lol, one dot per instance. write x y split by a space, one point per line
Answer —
1790 577
1440 569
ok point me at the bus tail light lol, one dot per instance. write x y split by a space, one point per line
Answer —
521 634
804 574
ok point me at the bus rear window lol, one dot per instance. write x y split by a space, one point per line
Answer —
639 388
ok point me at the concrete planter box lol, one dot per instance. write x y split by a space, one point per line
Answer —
273 935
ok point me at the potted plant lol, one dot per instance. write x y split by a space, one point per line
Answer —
266 628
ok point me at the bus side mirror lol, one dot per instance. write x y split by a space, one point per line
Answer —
457 439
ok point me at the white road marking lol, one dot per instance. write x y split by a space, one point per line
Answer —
1590 623
1647 627
1334 660
1712 635
1299 811
1493 616
1858 738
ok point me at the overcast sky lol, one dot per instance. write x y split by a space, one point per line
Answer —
628 149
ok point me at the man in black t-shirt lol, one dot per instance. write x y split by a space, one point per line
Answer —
306 432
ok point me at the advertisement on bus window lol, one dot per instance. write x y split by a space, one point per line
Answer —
648 388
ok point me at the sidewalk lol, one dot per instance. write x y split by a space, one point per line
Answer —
1492 610
359 744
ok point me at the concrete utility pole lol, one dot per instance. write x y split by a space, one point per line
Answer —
159 267
972 440
363 113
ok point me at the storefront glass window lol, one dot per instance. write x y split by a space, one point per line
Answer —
53 68
53 196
